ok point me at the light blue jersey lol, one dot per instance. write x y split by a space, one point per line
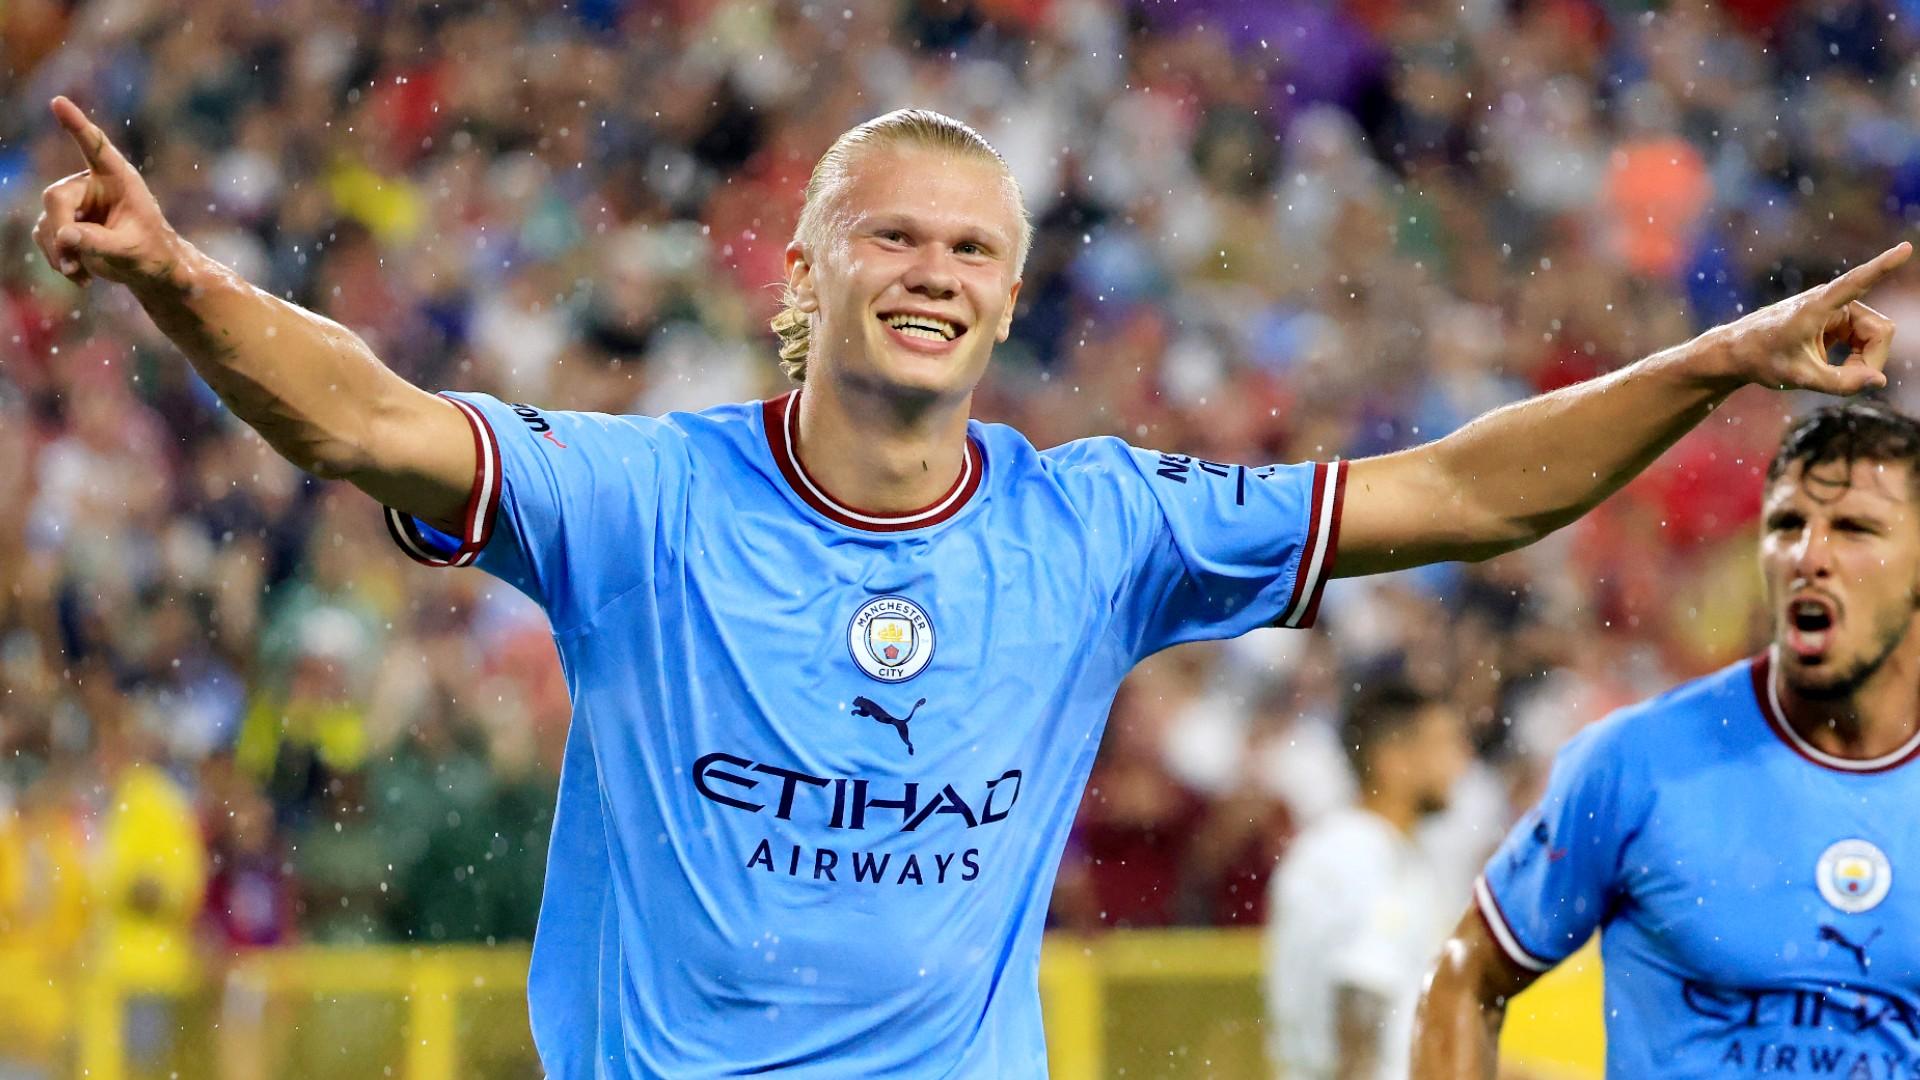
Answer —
1757 899
823 761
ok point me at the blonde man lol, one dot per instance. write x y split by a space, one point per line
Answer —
839 660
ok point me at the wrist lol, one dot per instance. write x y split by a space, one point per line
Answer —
181 272
1708 362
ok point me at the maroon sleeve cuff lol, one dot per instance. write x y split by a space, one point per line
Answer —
483 503
1497 925
1323 541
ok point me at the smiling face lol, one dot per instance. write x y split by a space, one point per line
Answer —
916 276
1840 550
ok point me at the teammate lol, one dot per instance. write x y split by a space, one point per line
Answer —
1745 843
839 660
1355 910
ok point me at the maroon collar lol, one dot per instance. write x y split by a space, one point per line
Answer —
781 417
1768 696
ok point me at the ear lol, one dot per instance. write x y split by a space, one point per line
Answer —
1006 320
800 279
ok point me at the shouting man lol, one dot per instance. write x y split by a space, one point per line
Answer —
1738 842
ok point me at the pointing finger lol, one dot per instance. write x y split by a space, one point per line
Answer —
94 145
1854 284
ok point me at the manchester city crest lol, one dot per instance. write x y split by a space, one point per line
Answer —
891 638
1854 876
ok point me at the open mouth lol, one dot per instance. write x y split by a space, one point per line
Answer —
923 327
1810 623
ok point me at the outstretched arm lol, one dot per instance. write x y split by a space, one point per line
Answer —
1524 470
308 385
1456 1032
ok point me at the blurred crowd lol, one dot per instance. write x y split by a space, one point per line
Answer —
233 716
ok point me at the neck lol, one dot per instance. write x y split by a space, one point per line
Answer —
1398 811
1873 721
877 451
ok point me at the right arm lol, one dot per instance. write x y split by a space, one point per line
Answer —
308 385
1456 1032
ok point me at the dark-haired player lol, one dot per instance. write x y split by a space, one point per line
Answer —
1354 911
1748 844
745 876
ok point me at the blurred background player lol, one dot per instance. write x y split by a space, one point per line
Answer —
1744 844
1362 901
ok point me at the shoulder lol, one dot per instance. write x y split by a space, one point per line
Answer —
672 435
1108 459
1094 469
1345 841
1693 720
736 426
1076 471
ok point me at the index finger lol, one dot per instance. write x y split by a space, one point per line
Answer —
1854 284
100 153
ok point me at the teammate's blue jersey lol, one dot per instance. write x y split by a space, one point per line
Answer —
1757 899
823 762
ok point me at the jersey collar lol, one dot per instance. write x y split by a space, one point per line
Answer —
1768 695
781 418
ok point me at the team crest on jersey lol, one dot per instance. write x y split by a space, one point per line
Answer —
1854 876
891 638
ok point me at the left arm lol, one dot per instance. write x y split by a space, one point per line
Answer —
1359 1016
1526 469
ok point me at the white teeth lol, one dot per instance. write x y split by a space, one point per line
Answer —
923 326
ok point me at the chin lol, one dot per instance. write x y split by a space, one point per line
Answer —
1825 679
926 376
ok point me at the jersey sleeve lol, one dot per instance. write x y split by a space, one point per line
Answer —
1558 876
559 506
1224 549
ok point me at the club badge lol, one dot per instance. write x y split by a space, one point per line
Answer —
891 638
1853 876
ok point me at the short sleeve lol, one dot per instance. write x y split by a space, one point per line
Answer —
560 505
1558 875
1224 549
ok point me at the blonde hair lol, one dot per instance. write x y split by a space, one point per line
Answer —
915 127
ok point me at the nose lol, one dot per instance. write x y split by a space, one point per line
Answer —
1812 554
931 273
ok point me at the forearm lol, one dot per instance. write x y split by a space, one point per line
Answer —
308 385
1456 1035
1456 1031
1524 470
1520 472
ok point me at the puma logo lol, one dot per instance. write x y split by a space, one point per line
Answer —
1833 934
868 707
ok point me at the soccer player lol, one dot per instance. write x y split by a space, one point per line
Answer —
1355 911
1745 844
839 660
